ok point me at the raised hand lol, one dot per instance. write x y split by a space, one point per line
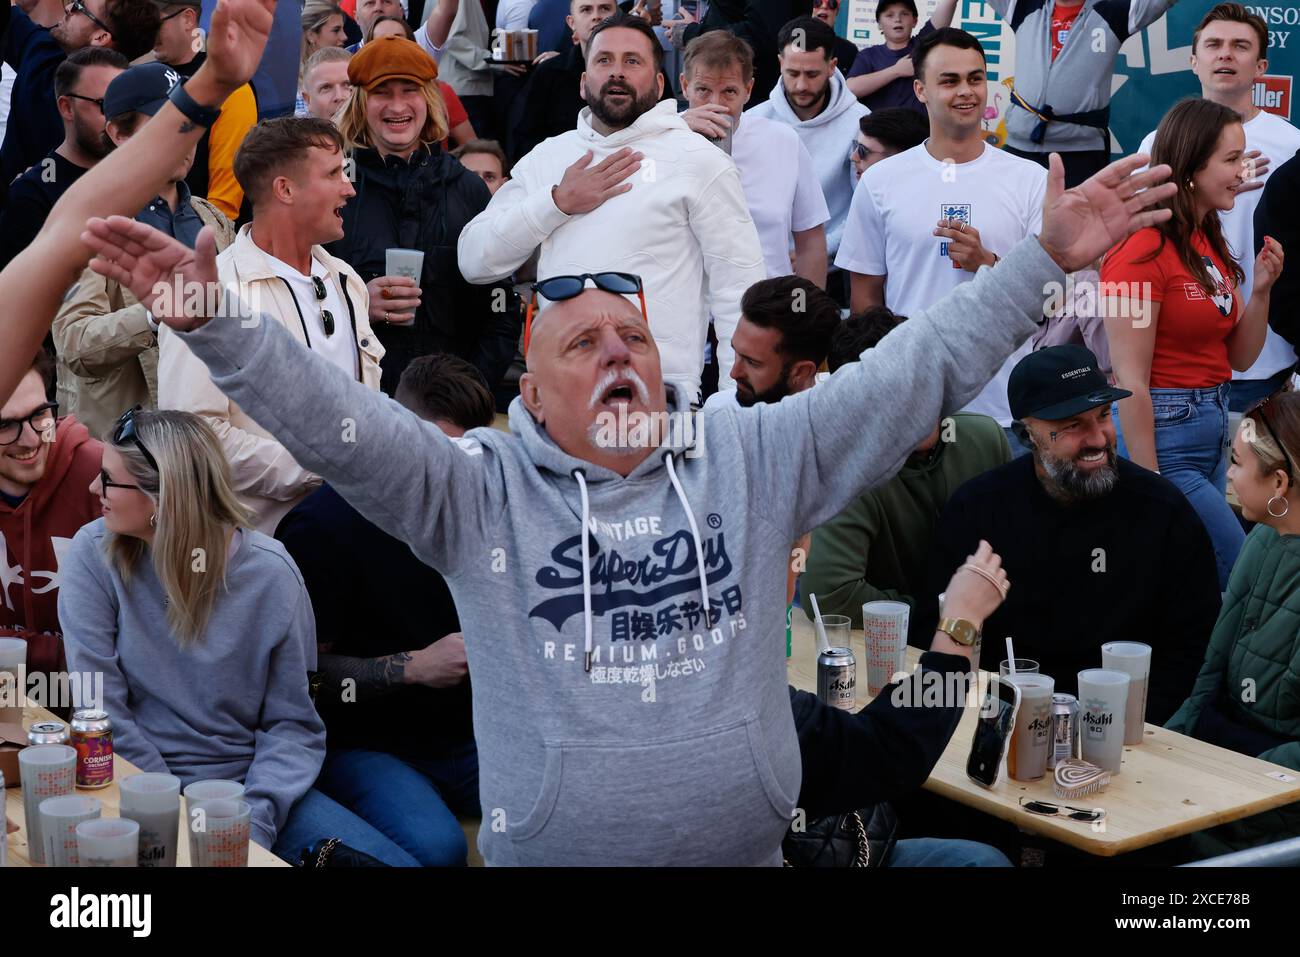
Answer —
174 282
711 120
1268 266
1080 224
236 38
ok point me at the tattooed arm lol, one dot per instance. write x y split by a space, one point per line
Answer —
345 679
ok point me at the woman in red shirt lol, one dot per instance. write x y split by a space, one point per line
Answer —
1174 319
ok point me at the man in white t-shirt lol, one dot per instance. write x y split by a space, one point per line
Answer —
1228 57
776 173
292 171
922 221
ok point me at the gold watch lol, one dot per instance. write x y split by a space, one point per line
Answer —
960 630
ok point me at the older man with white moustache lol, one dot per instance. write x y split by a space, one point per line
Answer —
634 190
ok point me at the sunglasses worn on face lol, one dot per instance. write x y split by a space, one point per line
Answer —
829 4
79 6
326 317
124 431
1261 409
89 99
42 419
1073 813
559 288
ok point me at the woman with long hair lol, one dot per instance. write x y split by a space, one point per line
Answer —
1247 697
203 633
1174 319
411 194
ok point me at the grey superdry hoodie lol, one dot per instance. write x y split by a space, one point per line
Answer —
678 747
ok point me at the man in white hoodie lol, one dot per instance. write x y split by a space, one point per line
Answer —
811 97
632 189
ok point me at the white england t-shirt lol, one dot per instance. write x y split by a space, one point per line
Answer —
339 348
1279 141
780 184
897 206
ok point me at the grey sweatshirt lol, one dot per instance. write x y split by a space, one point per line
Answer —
1079 79
678 747
235 704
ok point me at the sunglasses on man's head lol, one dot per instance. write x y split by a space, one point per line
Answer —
559 288
1261 412
124 432
326 317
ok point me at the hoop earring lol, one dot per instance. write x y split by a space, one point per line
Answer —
1269 507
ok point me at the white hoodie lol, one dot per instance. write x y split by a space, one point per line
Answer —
683 227
828 137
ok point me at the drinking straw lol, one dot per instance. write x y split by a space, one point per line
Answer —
822 641
1011 658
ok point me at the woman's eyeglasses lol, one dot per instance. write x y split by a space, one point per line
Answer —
108 483
41 420
1277 439
124 432
326 317
1073 813
559 288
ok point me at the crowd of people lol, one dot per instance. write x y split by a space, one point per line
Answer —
249 473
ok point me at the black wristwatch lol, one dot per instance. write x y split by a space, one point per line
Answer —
203 116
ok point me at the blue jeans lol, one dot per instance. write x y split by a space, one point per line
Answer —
413 802
316 817
1243 393
1191 435
933 852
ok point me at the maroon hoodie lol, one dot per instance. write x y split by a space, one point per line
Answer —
34 534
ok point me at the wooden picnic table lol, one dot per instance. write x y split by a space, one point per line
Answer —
1171 785
258 856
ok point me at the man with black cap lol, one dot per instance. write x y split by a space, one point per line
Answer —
212 175
107 342
1100 549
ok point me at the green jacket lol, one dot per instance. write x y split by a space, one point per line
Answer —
1253 659
878 547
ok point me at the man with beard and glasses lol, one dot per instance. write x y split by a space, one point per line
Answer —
79 85
1100 549
633 189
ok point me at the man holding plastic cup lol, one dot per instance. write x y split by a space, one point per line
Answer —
1100 549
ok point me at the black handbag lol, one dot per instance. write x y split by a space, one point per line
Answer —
862 838
334 853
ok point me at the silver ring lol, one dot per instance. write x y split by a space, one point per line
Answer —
386 319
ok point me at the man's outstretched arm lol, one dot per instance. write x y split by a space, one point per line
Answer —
33 284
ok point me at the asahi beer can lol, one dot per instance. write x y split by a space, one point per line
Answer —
1065 729
92 736
47 732
837 678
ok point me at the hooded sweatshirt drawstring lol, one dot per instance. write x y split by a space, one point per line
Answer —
581 479
586 566
695 534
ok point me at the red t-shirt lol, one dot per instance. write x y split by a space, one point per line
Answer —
1190 350
1062 21
456 114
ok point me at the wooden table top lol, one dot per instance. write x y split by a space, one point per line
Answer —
258 856
1170 785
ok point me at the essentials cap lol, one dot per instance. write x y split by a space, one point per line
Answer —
140 89
390 58
1059 382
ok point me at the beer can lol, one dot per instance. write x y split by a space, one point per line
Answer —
92 736
1065 729
47 732
837 678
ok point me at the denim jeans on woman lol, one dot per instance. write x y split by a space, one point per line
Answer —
1192 448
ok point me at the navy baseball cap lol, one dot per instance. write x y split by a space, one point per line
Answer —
140 89
1059 382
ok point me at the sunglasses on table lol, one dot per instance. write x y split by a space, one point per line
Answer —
123 432
41 420
79 6
1073 813
1262 410
326 317
559 288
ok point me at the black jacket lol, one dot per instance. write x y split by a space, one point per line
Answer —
1276 216
1134 565
424 203
35 126
883 752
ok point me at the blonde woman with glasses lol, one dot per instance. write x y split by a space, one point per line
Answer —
203 632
